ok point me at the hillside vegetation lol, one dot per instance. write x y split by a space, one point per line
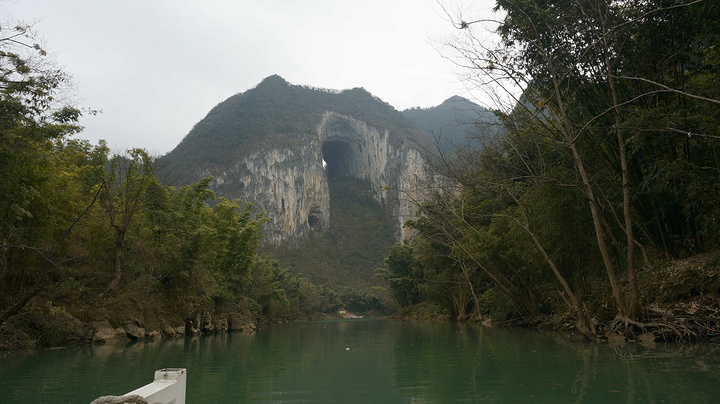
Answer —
271 115
598 205
346 256
457 123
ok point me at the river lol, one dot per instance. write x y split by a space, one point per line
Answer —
374 361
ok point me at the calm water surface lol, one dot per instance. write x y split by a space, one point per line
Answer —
374 361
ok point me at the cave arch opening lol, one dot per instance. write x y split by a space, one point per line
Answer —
338 156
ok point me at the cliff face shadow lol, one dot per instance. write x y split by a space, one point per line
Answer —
338 156
356 242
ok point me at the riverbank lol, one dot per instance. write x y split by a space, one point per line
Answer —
679 301
44 324
48 325
134 312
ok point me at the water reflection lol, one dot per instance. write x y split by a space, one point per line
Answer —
374 361
486 365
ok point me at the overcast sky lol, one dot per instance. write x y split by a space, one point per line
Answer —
157 67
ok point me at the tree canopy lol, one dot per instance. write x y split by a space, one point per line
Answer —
89 235
609 158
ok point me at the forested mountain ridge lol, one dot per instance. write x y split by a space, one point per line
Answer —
456 123
276 111
267 146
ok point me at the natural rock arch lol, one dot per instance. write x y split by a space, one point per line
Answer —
289 181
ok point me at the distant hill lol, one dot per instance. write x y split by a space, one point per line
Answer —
334 224
269 113
455 123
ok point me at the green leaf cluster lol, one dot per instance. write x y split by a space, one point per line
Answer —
89 235
620 103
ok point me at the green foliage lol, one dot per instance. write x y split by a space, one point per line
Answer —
54 326
401 276
456 123
497 306
46 180
281 296
275 112
362 303
122 195
347 254
203 253
518 226
659 61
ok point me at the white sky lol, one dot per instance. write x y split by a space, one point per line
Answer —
157 67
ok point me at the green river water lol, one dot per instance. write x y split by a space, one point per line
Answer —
374 361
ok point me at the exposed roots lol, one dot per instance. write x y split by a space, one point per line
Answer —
698 320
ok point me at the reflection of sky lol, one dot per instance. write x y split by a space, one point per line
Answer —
387 361
157 67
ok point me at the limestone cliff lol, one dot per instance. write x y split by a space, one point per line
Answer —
279 165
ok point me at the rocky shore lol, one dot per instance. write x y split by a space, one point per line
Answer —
206 323
52 326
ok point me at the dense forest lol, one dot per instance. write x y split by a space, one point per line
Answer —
594 209
598 207
86 235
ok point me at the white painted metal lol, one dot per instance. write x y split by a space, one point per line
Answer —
168 388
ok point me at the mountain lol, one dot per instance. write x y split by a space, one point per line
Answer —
355 244
276 112
455 123
268 144
338 173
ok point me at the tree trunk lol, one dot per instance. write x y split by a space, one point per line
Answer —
633 304
472 289
569 135
632 310
597 224
582 319
20 304
119 238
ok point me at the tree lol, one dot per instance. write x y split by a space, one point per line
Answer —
237 232
35 168
573 78
400 276
124 185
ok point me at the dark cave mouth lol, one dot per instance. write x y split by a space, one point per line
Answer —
337 154
315 218
341 169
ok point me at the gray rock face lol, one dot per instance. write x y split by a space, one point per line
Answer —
241 321
289 181
169 331
105 333
134 331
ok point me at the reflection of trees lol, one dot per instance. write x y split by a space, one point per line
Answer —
660 373
387 361
440 361
449 362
